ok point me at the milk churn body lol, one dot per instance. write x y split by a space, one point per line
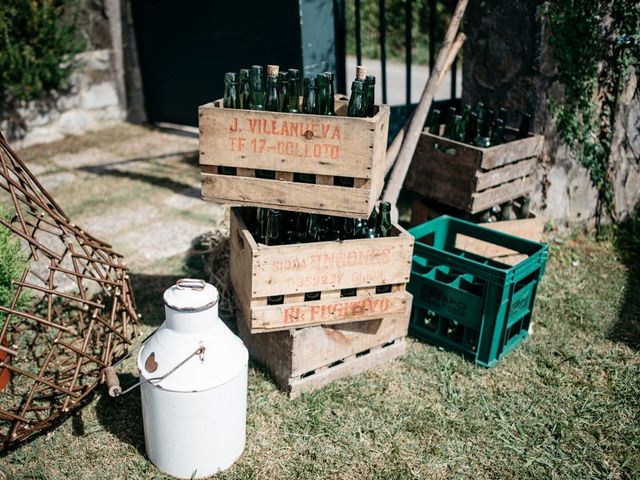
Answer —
195 417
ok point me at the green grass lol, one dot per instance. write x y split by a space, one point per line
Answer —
563 405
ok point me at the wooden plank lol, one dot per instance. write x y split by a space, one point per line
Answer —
328 311
507 191
315 347
353 365
294 196
335 145
311 267
529 228
293 353
500 175
509 152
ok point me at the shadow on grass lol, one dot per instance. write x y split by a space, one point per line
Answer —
627 243
164 181
122 416
148 290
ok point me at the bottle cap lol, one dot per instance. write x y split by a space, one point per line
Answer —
294 73
361 72
273 70
370 79
230 77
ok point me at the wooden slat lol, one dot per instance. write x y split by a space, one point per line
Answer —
294 353
327 311
500 175
512 151
293 196
331 265
353 365
502 193
453 173
529 228
316 144
314 347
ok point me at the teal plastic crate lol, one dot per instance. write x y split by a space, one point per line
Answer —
474 305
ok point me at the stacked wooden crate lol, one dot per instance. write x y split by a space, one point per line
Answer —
362 314
462 180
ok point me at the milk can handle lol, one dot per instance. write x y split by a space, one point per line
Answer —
113 384
191 284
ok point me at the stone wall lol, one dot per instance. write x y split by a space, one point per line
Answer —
508 62
90 102
96 95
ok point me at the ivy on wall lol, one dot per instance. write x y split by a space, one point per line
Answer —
38 43
595 44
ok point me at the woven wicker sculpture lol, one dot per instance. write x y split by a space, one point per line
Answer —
81 314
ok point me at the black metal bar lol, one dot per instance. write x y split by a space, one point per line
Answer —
358 34
383 48
454 65
454 77
408 30
432 34
341 45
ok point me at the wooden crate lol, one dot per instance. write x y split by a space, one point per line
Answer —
305 359
258 271
531 228
288 143
473 179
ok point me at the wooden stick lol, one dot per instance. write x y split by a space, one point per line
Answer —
394 148
408 148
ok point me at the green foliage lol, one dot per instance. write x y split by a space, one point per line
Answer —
13 262
592 66
38 42
395 31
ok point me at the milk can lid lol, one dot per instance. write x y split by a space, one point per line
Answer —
191 295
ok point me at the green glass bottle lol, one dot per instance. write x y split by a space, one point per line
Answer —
471 132
451 113
497 132
261 222
257 88
525 126
466 110
373 219
309 95
522 207
274 227
308 106
356 107
502 115
369 94
384 220
433 123
283 92
294 90
301 227
483 217
331 96
230 100
274 237
484 137
479 110
244 95
453 129
322 95
272 103
507 213
361 228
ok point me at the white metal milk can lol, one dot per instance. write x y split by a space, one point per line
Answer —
193 373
